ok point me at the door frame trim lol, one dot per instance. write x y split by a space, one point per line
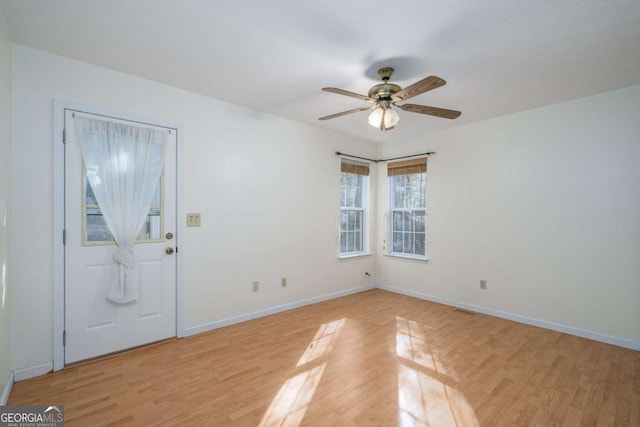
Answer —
59 107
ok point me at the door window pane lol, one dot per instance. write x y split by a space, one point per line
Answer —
96 231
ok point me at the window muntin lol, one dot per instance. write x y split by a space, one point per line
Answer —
408 214
353 207
95 230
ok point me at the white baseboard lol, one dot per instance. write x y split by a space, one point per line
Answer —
205 327
596 336
6 390
37 370
32 371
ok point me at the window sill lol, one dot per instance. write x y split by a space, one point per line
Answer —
408 257
350 256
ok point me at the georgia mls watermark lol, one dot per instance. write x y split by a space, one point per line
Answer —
31 416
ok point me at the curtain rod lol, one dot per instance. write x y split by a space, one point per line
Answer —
73 114
384 160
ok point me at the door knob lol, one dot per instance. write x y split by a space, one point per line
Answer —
169 250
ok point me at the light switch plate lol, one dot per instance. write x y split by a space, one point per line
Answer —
193 220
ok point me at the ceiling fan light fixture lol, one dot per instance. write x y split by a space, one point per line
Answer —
390 117
375 117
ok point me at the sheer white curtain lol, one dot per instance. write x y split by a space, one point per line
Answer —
124 164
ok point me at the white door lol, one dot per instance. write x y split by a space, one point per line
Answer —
93 325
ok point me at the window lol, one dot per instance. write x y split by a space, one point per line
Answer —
408 191
353 208
96 231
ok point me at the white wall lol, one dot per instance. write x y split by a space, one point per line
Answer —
544 205
267 189
5 207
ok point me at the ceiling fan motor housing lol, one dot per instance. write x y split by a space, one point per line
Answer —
383 91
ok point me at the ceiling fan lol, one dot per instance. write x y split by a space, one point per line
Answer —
386 94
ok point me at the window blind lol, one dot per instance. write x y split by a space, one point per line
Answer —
355 167
407 167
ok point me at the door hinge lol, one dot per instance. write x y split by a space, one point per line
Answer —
64 337
64 136
64 237
176 249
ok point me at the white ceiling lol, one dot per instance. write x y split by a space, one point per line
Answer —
497 56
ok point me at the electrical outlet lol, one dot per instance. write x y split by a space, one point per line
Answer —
483 284
283 282
256 286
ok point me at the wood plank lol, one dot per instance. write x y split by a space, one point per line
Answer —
374 358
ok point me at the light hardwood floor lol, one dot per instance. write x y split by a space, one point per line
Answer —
371 359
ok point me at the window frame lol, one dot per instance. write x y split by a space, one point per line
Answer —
364 210
392 209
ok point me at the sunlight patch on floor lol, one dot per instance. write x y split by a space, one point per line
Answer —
290 404
426 393
323 342
425 401
411 344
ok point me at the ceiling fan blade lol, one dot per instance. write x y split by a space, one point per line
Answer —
344 113
347 93
424 85
432 111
